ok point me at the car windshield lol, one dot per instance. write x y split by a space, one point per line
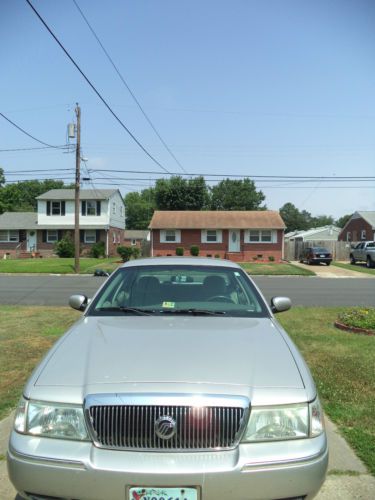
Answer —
179 289
320 250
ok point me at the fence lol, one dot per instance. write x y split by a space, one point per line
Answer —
340 250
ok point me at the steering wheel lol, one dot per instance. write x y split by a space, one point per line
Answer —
219 298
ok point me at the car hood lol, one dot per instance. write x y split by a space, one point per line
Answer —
126 350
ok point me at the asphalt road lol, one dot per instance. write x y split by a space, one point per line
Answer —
307 291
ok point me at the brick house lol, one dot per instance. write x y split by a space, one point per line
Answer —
102 218
360 227
234 235
136 237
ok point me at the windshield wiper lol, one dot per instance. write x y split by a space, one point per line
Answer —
194 312
132 310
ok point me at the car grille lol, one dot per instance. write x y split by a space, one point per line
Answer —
161 427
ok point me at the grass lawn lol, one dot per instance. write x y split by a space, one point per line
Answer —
360 268
343 367
275 269
56 265
342 363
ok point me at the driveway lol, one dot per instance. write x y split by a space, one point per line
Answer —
347 477
324 271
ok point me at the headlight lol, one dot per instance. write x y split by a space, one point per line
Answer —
53 420
279 423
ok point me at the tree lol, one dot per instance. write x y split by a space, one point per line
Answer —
2 177
322 220
177 193
139 208
294 219
343 220
20 197
236 195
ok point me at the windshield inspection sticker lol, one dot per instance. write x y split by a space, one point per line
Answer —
169 305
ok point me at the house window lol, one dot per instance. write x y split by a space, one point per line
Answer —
114 237
52 236
133 242
348 236
56 208
90 236
211 236
261 236
170 236
121 210
90 207
11 236
363 234
114 208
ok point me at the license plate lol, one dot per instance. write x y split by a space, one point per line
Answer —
322 256
146 493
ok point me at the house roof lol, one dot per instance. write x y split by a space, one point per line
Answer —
313 231
18 220
369 217
135 234
84 194
216 219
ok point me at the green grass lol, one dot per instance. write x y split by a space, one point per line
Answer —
56 265
359 317
275 269
360 268
343 367
25 335
342 363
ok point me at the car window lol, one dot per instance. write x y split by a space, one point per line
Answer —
173 289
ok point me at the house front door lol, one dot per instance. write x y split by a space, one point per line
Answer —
234 240
31 241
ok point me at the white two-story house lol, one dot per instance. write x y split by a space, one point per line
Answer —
101 218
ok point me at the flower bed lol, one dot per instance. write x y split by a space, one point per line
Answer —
357 320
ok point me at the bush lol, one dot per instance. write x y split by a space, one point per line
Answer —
180 251
271 258
217 256
194 250
126 253
98 250
65 247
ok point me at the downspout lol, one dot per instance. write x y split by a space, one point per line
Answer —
283 246
152 243
107 243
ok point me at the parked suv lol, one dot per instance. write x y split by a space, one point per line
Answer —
316 255
177 383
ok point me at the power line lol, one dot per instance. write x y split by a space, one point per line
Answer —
128 88
26 133
96 91
67 146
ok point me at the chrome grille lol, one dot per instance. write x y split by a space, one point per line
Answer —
124 426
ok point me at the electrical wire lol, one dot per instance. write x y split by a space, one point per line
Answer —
34 149
128 88
96 91
26 133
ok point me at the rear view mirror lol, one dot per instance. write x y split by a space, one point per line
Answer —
78 302
280 304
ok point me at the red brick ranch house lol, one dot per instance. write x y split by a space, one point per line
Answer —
234 235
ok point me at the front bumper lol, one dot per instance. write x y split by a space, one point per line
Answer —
74 470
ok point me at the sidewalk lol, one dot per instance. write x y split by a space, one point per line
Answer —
324 271
347 477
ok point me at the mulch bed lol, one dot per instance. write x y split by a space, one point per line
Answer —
353 329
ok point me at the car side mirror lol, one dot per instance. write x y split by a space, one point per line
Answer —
79 302
280 304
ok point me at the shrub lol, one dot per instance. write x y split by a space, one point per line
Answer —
125 253
194 250
136 253
65 247
217 256
98 250
179 251
271 258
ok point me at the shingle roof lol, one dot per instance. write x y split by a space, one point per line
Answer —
84 194
236 219
369 217
137 234
18 220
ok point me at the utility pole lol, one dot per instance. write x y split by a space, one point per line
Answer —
76 194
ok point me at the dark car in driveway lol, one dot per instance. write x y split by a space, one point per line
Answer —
316 255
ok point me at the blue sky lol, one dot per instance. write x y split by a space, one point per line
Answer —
247 87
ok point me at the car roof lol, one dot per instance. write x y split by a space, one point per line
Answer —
186 261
